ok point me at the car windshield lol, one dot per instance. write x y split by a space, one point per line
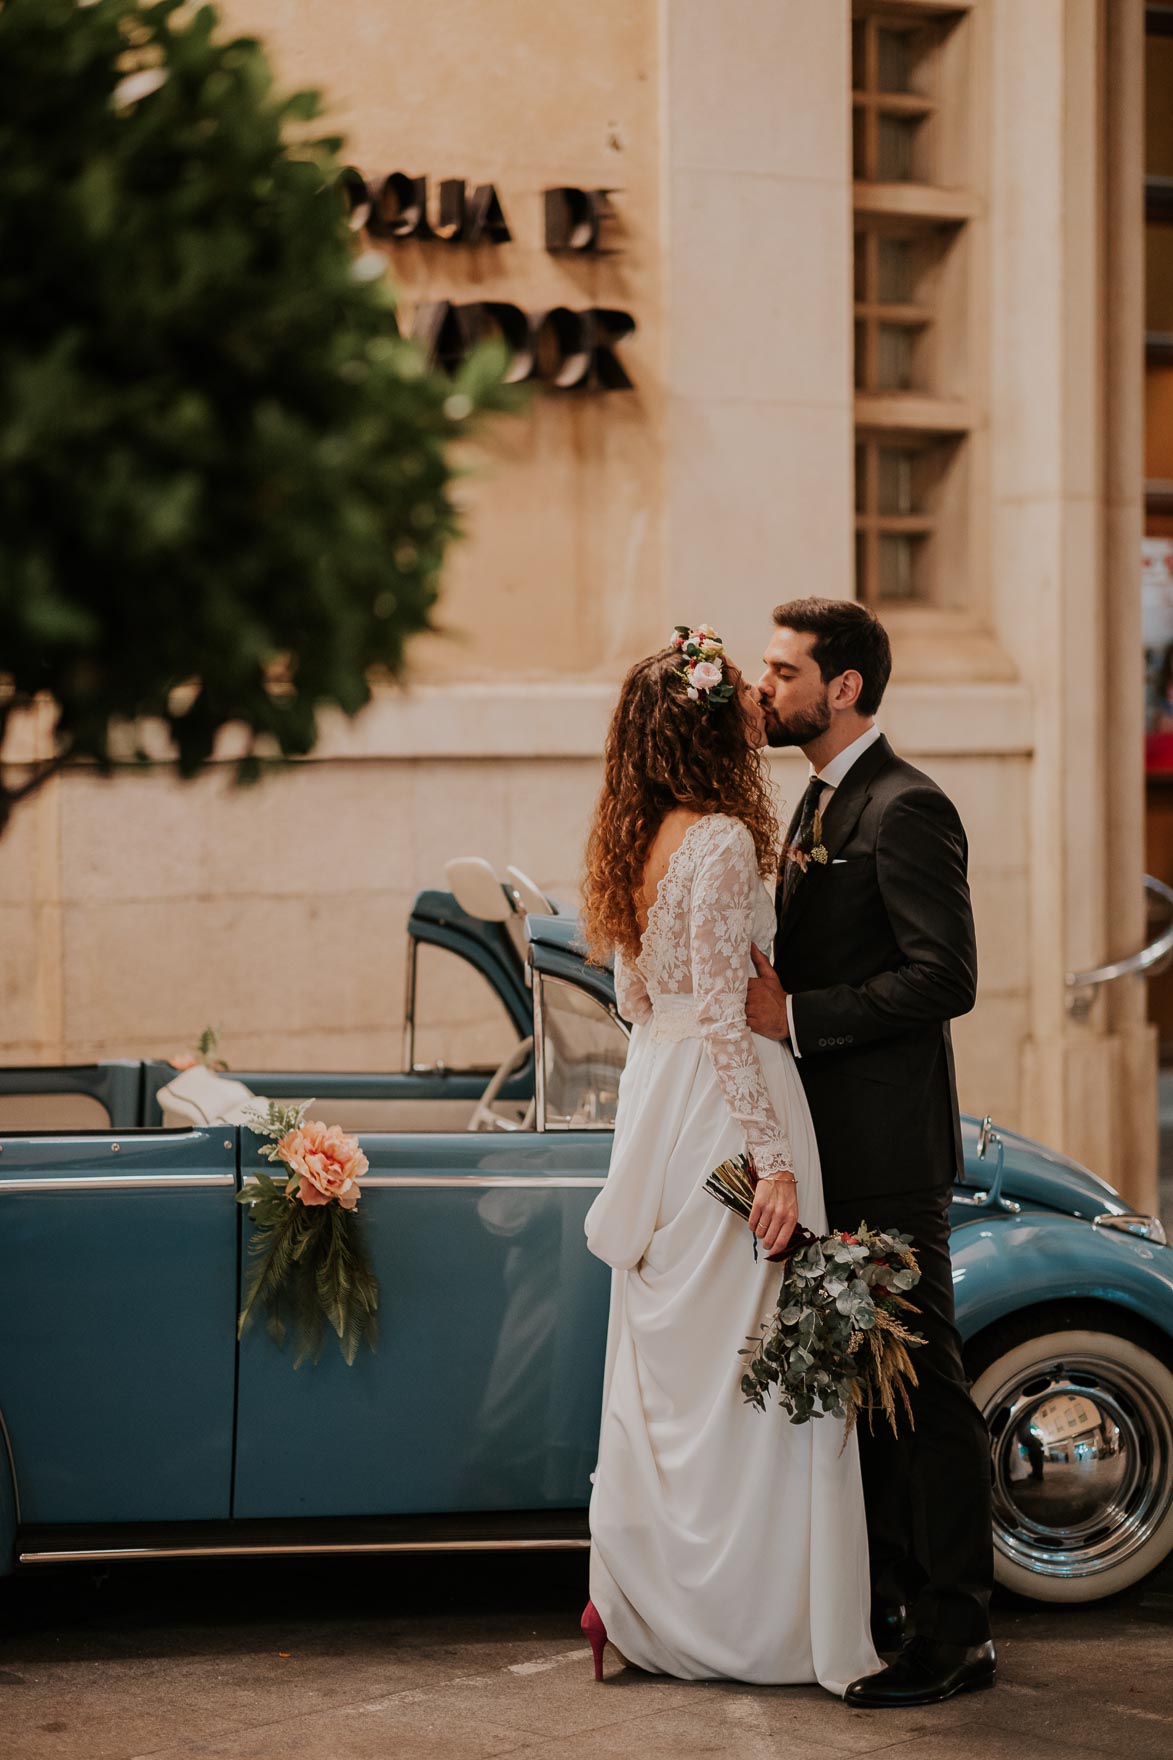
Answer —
584 1049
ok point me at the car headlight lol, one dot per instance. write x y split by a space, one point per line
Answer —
1148 1228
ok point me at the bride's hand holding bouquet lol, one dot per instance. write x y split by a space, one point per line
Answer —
773 1214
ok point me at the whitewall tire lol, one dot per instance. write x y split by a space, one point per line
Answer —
1081 1448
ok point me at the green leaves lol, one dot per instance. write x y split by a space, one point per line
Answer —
836 1343
219 460
312 1273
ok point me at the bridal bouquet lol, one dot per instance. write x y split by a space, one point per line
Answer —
311 1265
837 1344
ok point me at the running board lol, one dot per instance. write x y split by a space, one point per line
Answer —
511 1531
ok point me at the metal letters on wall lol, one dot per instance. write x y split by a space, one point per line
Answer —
562 348
565 349
575 218
399 206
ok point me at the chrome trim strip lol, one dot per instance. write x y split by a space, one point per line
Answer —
474 1181
557 1126
114 1182
409 1004
1134 1223
11 1464
83 1555
149 1182
538 987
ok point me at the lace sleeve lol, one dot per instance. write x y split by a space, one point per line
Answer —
721 917
631 993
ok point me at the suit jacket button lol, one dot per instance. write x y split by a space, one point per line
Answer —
850 1039
822 1044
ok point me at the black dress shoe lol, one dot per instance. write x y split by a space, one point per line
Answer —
889 1626
926 1672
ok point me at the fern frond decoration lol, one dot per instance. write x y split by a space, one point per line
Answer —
312 1268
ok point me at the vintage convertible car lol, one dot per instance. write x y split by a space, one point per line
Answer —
134 1425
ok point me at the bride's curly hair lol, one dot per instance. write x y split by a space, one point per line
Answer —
663 751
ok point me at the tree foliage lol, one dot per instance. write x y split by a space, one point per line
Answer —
225 481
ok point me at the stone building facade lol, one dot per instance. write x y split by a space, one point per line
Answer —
884 263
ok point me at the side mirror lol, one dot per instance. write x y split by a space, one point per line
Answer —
991 1197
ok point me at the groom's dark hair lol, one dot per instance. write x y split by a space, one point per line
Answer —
848 638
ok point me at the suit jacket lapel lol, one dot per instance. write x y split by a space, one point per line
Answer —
788 839
839 821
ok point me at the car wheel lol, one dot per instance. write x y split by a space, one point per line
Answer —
1081 1450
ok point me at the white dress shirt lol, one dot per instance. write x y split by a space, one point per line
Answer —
831 776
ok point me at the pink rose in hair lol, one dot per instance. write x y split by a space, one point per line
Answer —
705 674
328 1163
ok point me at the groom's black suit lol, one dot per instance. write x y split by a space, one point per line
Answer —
876 949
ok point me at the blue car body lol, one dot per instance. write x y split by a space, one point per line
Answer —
133 1423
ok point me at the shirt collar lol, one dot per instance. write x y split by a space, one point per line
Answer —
832 774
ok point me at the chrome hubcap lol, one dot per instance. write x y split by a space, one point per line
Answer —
1082 1454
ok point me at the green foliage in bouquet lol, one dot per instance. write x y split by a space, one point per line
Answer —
311 1270
225 480
837 1343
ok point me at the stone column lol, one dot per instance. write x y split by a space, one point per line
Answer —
1135 1090
1061 401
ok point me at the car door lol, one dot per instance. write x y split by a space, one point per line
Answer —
65 1097
117 1306
485 1391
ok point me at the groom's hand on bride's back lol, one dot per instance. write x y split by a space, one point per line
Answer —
765 1000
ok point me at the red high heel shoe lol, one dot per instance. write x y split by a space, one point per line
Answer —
596 1633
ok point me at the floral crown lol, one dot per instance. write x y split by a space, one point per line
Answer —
704 670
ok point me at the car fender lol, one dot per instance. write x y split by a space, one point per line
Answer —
1004 1263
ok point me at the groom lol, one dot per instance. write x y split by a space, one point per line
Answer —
874 956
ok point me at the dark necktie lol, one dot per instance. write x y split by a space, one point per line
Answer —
803 838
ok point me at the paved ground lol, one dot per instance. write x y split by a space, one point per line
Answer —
454 1659
460 1658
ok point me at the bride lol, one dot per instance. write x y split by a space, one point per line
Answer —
723 1542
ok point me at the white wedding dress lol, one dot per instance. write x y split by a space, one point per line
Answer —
724 1541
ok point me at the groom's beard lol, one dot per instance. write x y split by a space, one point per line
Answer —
797 730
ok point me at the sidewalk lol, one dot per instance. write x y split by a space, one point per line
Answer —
462 1659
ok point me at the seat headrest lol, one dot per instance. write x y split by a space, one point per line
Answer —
531 899
474 884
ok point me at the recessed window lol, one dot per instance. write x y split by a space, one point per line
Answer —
902 500
910 303
893 70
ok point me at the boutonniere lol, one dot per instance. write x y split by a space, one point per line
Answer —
817 852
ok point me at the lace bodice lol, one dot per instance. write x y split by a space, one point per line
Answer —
694 963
